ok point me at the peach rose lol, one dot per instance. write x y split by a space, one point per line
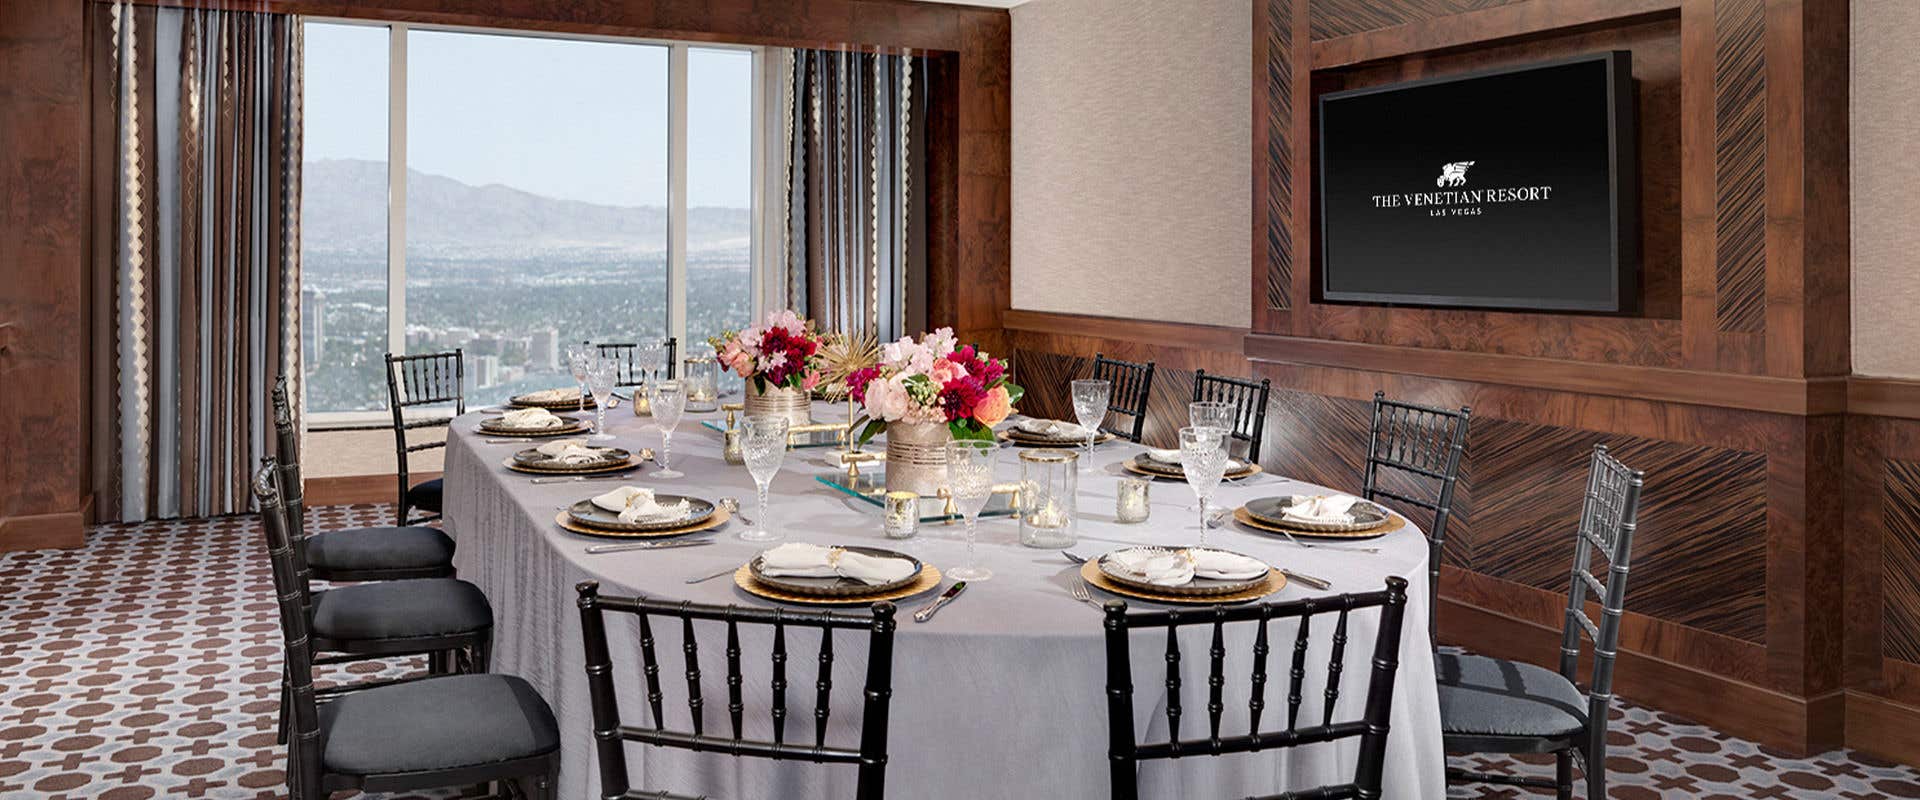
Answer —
994 408
945 371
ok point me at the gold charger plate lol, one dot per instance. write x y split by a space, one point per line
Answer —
538 433
1394 522
1029 440
552 405
631 463
743 578
1131 465
1090 572
720 516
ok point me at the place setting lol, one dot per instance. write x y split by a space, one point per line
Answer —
811 574
1196 575
531 423
569 459
1326 516
561 399
632 512
1036 432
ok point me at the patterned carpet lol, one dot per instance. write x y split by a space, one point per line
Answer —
144 666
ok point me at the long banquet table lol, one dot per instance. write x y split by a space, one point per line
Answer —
1000 696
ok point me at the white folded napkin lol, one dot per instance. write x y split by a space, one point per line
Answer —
1225 566
1163 567
555 447
1050 428
574 454
531 418
635 504
1321 507
797 560
1173 457
552 395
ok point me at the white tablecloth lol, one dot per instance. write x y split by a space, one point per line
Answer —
1001 696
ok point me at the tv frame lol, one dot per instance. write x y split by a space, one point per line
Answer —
1623 178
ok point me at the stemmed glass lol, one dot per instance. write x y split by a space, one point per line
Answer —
970 484
668 399
650 357
1090 400
763 444
578 360
1210 414
601 375
1203 459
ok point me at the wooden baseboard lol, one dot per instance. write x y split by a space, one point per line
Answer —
42 531
350 490
1797 725
1882 727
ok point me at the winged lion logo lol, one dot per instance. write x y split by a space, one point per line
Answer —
1454 174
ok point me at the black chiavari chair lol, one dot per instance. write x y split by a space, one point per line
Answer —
1131 385
1249 401
1490 705
397 736
622 354
354 554
611 735
1423 445
420 381
1125 751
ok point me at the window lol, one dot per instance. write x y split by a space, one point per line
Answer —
514 195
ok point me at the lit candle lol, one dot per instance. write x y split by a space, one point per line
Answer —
903 514
1131 505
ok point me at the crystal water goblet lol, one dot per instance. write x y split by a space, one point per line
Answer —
1210 414
1203 460
1091 397
668 399
763 445
579 359
970 484
650 357
600 378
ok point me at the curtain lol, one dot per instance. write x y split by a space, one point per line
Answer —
854 247
199 271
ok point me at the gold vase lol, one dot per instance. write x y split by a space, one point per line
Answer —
917 457
778 401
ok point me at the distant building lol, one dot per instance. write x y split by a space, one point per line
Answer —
313 327
543 350
486 371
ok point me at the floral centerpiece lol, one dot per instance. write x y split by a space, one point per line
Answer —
779 359
934 381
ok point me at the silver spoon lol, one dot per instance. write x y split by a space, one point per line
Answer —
720 574
732 505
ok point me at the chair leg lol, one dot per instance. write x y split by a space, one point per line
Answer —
1563 774
1596 756
280 725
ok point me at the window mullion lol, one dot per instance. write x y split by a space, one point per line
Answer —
397 189
677 196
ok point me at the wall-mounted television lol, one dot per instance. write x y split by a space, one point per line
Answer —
1511 188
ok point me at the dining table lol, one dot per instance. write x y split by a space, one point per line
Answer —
1001 695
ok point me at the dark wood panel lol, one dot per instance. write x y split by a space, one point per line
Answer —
1333 18
1900 582
1278 121
1740 155
1520 20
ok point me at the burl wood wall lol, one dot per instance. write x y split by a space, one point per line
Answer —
1774 591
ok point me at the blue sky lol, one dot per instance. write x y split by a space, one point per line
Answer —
582 120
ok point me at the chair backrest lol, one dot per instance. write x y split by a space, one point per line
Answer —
290 488
290 592
610 735
1124 751
622 354
1424 444
1249 401
1132 385
427 379
1607 522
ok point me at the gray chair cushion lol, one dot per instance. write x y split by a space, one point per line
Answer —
400 609
1481 695
412 547
425 495
436 724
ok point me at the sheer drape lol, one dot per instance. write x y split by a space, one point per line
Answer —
852 240
200 264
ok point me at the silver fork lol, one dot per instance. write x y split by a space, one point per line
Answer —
1078 589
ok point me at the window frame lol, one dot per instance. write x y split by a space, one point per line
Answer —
760 267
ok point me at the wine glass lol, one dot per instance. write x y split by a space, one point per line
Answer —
1210 414
970 484
578 360
1090 399
763 445
601 375
650 357
1203 459
668 399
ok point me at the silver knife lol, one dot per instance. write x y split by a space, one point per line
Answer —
616 548
1317 583
927 611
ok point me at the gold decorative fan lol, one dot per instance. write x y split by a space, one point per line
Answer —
841 355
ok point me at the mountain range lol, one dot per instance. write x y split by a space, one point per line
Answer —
343 206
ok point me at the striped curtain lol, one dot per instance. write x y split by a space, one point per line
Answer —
199 269
854 249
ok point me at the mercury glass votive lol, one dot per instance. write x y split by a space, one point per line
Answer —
701 375
1049 484
902 515
1131 502
730 450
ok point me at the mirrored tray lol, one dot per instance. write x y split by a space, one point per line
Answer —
871 488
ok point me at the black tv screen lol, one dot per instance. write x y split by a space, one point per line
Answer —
1512 188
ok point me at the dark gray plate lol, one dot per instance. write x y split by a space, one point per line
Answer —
1273 510
500 424
532 458
1172 469
1198 587
592 516
837 586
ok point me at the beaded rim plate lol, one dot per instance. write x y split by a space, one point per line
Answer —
1094 577
1271 511
1394 522
532 458
541 433
838 586
622 467
569 405
1198 587
720 517
1136 466
1016 436
929 580
498 425
586 514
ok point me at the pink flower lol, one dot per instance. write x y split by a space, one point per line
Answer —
994 408
945 372
887 399
811 380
